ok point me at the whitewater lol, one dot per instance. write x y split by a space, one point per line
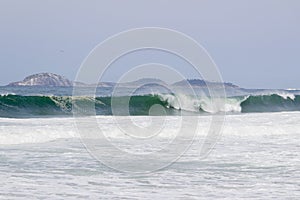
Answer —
257 156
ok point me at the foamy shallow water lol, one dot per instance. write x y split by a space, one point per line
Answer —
257 157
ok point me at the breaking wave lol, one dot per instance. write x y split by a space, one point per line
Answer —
16 106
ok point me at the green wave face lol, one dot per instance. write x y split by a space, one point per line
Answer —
24 106
15 106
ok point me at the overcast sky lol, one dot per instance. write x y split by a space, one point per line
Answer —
255 43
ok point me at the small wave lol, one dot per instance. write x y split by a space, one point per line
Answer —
8 93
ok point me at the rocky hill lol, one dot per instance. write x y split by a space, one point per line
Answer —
43 79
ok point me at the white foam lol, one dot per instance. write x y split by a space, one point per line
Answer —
257 156
188 103
286 95
181 102
19 131
7 93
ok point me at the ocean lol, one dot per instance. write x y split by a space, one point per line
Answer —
43 155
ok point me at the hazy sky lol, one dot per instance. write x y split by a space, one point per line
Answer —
255 43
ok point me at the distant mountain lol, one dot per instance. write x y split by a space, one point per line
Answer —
50 79
43 79
203 83
143 81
